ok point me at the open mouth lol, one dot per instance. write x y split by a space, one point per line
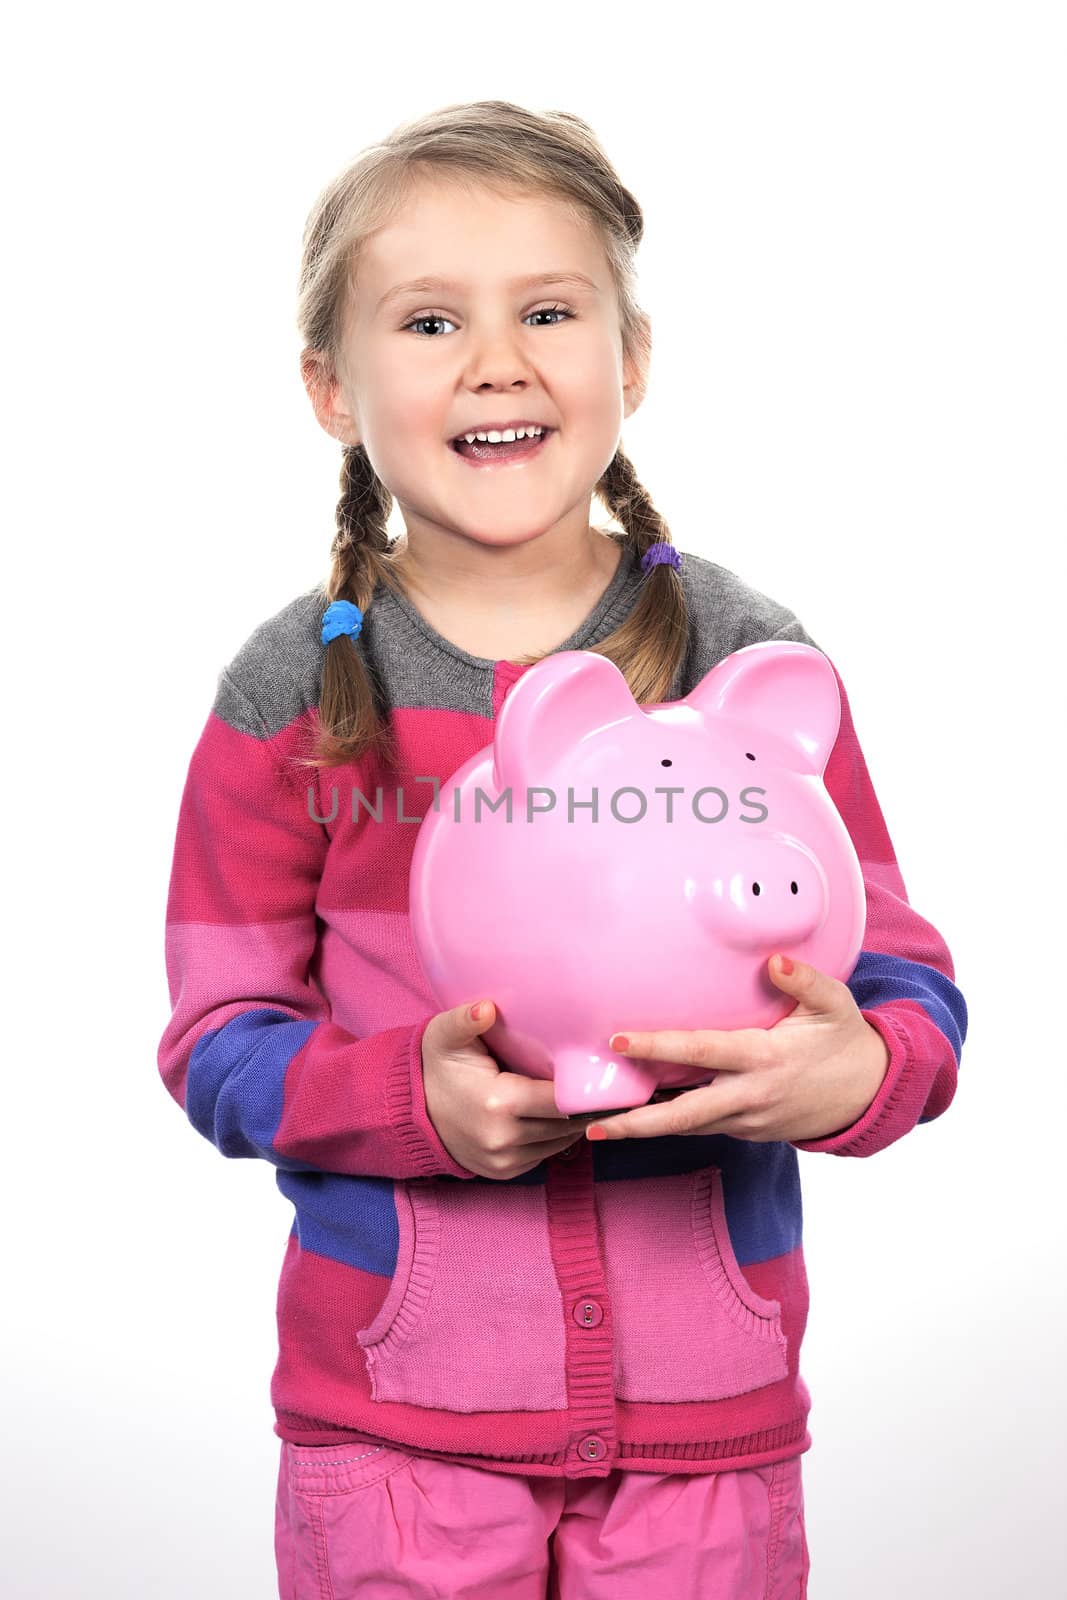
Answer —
480 454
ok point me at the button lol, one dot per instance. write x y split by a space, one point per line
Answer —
592 1448
587 1314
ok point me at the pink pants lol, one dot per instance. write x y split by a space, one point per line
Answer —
360 1522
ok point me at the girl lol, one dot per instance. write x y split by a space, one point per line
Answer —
512 1362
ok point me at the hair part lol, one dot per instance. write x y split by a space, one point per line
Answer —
487 144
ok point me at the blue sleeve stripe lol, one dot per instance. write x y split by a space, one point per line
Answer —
877 978
235 1087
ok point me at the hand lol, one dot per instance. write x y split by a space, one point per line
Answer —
813 1074
495 1123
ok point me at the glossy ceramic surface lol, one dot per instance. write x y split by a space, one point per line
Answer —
558 877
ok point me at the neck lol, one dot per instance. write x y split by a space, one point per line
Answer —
507 601
533 579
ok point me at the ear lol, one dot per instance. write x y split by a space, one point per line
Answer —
558 703
782 687
327 397
636 368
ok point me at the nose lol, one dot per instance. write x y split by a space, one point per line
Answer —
496 360
764 893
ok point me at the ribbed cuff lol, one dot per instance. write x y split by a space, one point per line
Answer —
406 1098
868 1134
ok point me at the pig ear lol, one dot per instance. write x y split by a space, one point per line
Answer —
783 687
556 703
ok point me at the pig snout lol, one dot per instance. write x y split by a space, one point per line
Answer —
765 893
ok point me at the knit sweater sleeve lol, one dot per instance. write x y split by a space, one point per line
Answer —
903 982
250 1052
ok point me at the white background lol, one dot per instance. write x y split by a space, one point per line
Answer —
854 237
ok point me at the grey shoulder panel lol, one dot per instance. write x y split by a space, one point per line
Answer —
409 672
277 672
725 614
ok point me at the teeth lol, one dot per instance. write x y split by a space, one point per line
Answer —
506 437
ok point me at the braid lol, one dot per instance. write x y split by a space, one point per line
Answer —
363 509
361 516
350 719
628 501
649 646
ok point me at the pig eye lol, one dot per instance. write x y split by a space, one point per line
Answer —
666 762
755 888
794 888
749 756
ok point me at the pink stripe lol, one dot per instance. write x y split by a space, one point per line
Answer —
369 965
237 814
369 867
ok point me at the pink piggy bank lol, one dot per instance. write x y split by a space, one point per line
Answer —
603 866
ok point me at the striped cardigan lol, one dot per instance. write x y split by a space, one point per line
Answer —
637 1304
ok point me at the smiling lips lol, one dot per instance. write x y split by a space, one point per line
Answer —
480 454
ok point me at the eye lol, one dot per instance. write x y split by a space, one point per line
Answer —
427 316
666 762
749 756
562 312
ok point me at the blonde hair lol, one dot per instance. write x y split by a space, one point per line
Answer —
496 145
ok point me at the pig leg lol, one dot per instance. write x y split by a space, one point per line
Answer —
585 1081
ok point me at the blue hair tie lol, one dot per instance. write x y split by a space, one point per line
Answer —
341 616
661 552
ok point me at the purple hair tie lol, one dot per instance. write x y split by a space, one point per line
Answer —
661 552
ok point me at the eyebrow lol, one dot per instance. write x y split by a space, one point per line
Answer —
427 285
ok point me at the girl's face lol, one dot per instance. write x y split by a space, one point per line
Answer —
422 365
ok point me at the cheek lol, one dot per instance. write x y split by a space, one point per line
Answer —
401 382
589 392
401 427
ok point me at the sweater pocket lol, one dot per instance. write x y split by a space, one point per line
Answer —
687 1324
473 1318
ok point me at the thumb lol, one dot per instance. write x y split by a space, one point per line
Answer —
464 1026
814 990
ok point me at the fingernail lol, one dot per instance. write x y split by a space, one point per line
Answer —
786 965
476 1010
595 1132
619 1041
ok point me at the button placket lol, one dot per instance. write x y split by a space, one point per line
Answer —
572 1220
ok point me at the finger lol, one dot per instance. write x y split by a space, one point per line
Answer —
704 1047
528 1098
465 1027
532 1104
815 990
691 1111
531 1131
